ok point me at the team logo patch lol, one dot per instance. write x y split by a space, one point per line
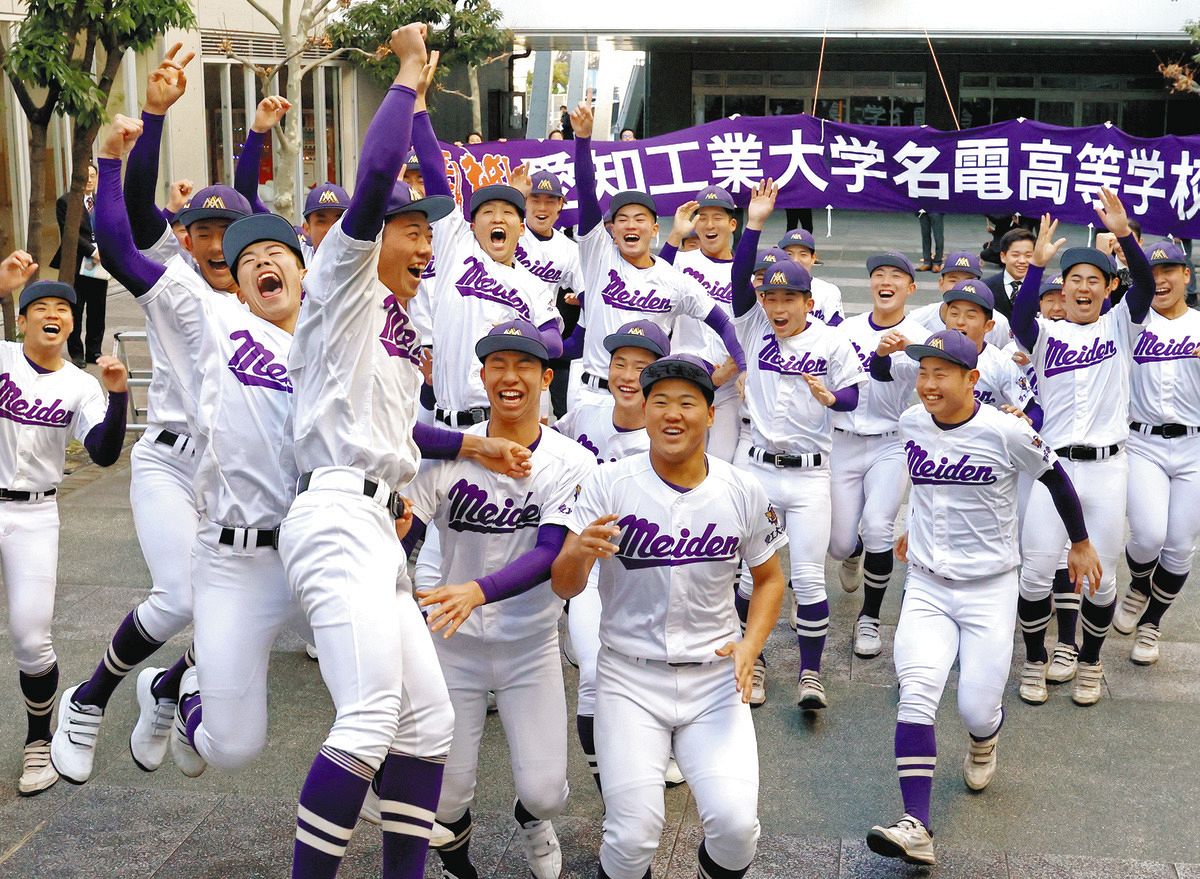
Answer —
636 331
215 201
770 257
779 278
772 516
327 197
964 262
513 331
546 184
1159 253
710 197
970 288
936 343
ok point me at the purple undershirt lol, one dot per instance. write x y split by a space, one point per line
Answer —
141 180
437 444
585 186
245 171
742 274
103 442
573 345
668 253
846 399
719 321
384 148
114 238
528 569
429 155
881 367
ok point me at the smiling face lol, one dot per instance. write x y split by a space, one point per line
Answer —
634 229
405 253
714 229
269 274
203 241
514 382
624 370
1170 288
949 279
801 254
968 318
677 420
946 390
1085 288
497 226
318 223
890 289
1053 305
1016 259
786 310
413 179
541 213
46 324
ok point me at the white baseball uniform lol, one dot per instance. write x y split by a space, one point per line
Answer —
487 521
667 607
1001 381
930 317
553 260
826 302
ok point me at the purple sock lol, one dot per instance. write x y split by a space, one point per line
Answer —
408 796
1033 617
38 691
1096 622
1066 606
130 646
166 685
811 628
1139 573
585 726
877 571
330 801
192 711
1164 587
916 757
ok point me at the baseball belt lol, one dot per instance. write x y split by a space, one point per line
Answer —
245 538
463 417
392 501
786 461
594 381
171 438
1166 431
6 495
1087 453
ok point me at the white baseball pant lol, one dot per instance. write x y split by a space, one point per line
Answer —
727 422
644 711
29 558
1164 499
868 479
426 716
526 676
945 620
583 625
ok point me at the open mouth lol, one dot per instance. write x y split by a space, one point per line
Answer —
218 265
1163 292
886 295
631 238
672 431
416 271
1083 301
628 390
499 236
51 329
511 396
269 283
779 322
931 398
541 218
710 236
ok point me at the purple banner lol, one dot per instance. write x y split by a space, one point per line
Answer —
1021 167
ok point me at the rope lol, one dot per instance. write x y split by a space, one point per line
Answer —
821 59
945 90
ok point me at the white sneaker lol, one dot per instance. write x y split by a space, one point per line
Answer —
867 643
186 757
542 851
151 734
1129 612
980 763
907 839
37 772
673 777
1033 683
1088 683
73 748
310 650
1145 646
1064 662
758 683
810 692
850 573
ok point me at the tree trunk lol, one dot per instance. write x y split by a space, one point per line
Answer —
81 152
288 142
37 186
476 110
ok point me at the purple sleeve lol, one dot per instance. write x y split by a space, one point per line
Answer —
741 274
141 179
1066 501
668 253
881 368
526 570
1141 279
383 151
429 154
552 339
437 444
119 255
834 319
245 171
1035 413
720 322
585 186
103 442
1025 309
573 344
845 400
415 533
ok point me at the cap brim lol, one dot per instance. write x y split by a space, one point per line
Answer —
684 372
195 215
959 296
628 340
525 345
908 270
786 288
434 207
325 207
917 352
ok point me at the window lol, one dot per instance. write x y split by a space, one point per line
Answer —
973 112
1056 112
1004 109
786 106
1099 112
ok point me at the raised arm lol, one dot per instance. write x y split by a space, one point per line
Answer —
245 173
424 141
1023 322
719 321
762 204
585 169
1141 280
114 237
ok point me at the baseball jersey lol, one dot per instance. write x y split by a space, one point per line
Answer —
930 317
879 403
40 412
232 369
784 415
713 275
962 510
826 301
469 295
354 367
665 595
1083 378
1165 384
618 292
487 520
592 427
553 260
1001 381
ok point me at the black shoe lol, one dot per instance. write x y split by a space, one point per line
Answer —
78 360
93 358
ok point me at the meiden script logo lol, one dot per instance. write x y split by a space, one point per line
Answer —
398 337
718 291
255 365
1151 349
619 296
771 359
1061 357
15 407
476 282
644 546
472 509
546 271
926 470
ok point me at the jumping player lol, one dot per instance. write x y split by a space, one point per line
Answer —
801 247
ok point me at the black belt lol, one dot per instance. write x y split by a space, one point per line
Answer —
6 495
1166 431
464 417
170 438
594 381
1087 453
789 461
867 435
395 501
238 537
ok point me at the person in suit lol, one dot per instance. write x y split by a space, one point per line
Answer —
1016 250
91 281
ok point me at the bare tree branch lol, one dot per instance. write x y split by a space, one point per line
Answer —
308 68
275 22
454 92
261 71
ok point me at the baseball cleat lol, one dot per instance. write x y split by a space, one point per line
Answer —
151 734
850 573
980 763
1033 683
1129 612
1064 662
907 839
1088 683
1145 646
73 748
867 643
37 772
183 752
542 851
810 692
758 682
673 777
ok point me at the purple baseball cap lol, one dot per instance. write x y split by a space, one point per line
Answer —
893 258
1166 253
545 183
683 366
513 335
643 334
1050 285
789 275
949 345
411 163
405 199
1088 256
327 196
769 257
961 261
715 197
798 238
214 203
972 291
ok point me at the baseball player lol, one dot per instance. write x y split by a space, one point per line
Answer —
800 246
45 402
623 279
958 267
867 462
611 433
669 528
711 217
797 374
1083 366
961 590
1164 454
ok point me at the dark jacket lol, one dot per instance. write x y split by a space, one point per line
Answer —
1002 296
87 237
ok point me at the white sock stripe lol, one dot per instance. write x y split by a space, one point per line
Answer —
1091 629
1067 602
1164 597
115 666
915 773
349 762
308 816
1031 626
916 761
407 829
395 807
37 706
321 845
